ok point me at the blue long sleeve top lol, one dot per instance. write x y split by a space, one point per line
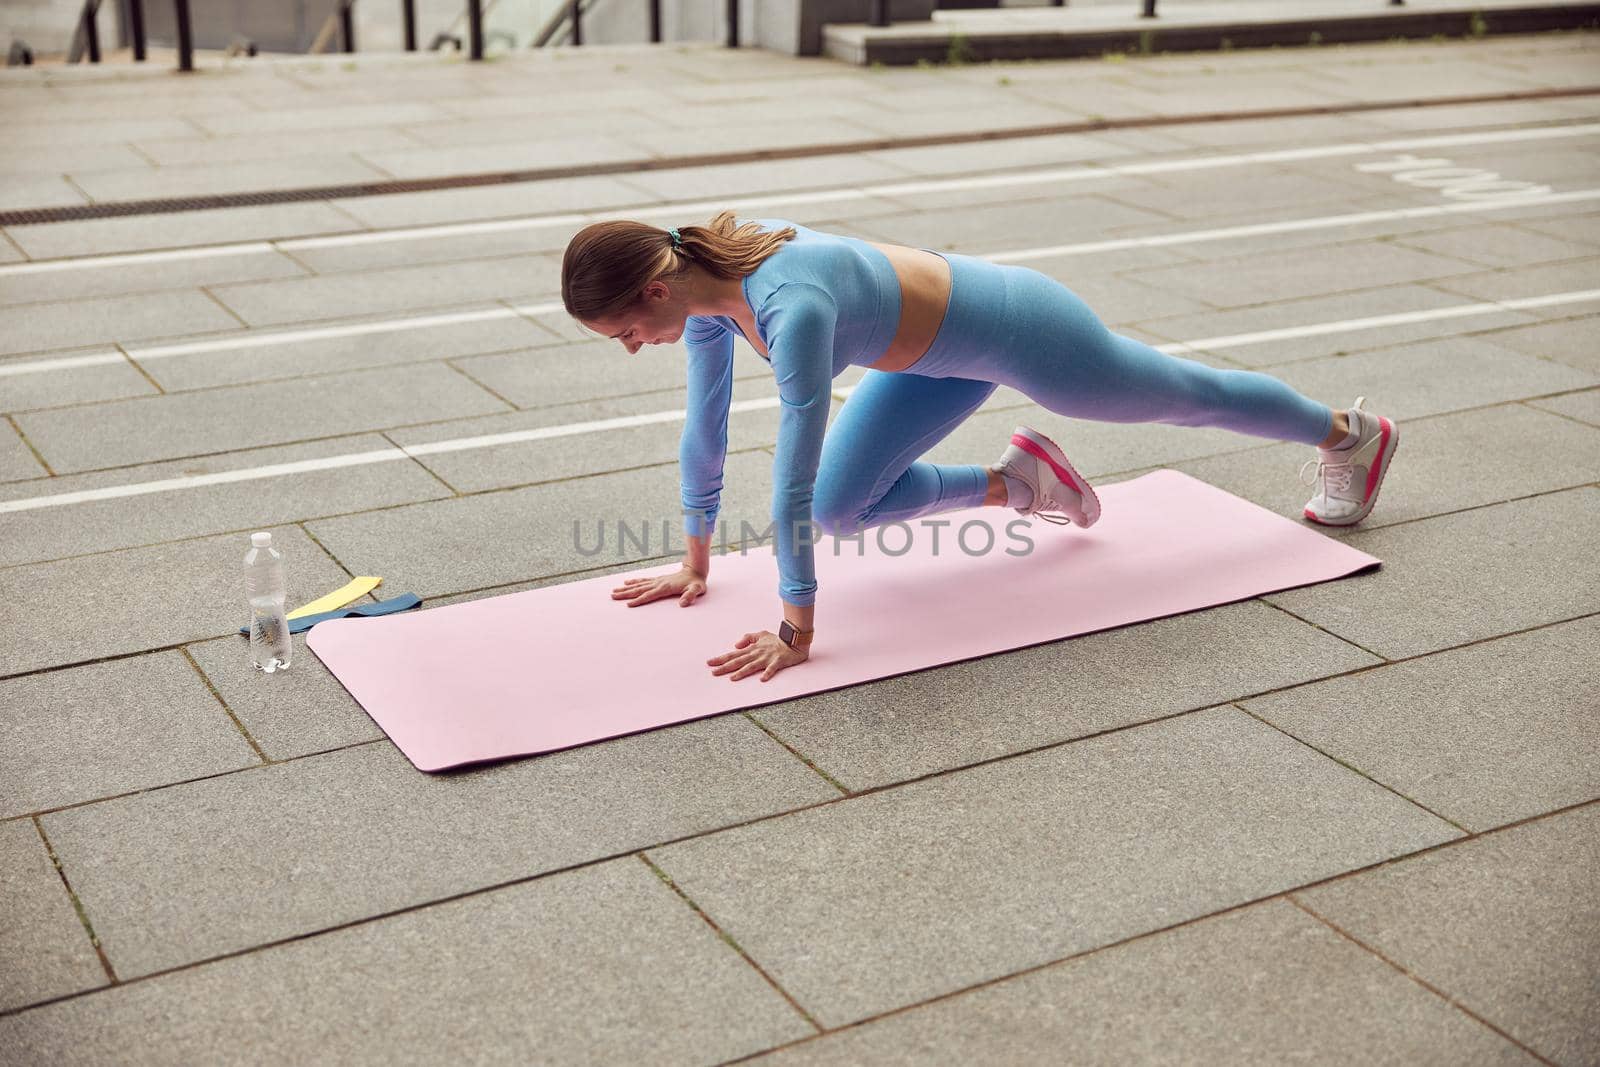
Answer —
820 303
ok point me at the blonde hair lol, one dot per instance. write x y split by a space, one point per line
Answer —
608 264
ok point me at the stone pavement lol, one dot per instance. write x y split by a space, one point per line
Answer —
1354 822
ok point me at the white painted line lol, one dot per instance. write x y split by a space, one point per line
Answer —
911 188
1373 322
1292 225
460 444
261 339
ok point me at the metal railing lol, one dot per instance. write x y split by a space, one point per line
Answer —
86 38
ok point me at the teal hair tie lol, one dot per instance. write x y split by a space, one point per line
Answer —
676 240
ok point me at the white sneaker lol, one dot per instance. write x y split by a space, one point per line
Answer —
1057 487
1348 479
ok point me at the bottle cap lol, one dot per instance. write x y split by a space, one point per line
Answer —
261 540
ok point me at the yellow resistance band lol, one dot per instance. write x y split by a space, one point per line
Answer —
357 589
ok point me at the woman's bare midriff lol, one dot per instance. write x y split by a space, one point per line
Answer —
924 296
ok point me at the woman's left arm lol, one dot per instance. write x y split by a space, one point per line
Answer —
799 319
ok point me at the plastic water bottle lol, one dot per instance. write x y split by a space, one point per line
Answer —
264 586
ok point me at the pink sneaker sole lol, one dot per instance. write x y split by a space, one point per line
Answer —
1041 447
1390 436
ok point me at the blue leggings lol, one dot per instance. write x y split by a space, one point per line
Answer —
1009 325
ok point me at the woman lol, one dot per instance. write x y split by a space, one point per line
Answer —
939 334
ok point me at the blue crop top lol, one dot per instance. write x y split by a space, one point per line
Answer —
820 303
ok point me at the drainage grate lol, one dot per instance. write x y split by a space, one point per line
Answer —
171 205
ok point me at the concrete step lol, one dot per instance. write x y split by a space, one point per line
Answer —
957 36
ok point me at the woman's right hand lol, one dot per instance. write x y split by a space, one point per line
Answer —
687 584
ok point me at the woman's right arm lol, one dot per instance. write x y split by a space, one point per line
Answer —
701 452
703 448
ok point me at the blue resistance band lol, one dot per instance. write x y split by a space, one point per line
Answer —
403 602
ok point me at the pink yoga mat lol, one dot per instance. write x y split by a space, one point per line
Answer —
565 665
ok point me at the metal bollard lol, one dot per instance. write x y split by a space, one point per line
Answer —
408 15
880 13
576 7
733 23
347 26
185 37
655 21
91 29
136 28
475 28
1149 11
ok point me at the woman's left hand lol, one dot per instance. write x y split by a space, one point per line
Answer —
759 651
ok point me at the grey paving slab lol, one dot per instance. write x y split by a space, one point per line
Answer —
743 132
1460 578
412 252
44 949
128 521
1505 924
1265 984
596 369
1015 152
745 179
967 877
53 160
1015 111
248 416
1119 298
1096 448
109 728
88 131
1332 308
895 729
459 130
393 291
1013 223
1483 735
133 233
171 876
1543 280
117 279
292 713
256 145
17 461
1569 341
1563 165
1427 377
227 177
556 458
1040 192
518 155
1271 133
493 201
440 548
39 190
103 320
601 965
9 253
1517 451
1266 277
1497 246
412 340
296 119
1573 228
1201 196
25 389
1509 112
1584 406
164 595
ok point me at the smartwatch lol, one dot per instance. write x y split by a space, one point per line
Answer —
796 639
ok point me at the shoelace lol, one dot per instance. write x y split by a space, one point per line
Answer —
1333 475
